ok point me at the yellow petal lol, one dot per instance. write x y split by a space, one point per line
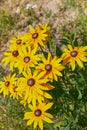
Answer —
31 107
30 121
47 106
48 86
41 124
58 73
27 115
83 48
47 95
72 64
48 115
65 61
79 62
47 120
83 58
49 57
31 28
70 47
35 124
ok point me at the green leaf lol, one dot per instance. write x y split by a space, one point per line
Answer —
75 42
58 51
59 124
79 92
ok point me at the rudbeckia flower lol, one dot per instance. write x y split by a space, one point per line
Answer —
18 42
73 55
7 84
37 36
38 97
15 93
38 114
33 86
50 67
44 27
28 58
23 101
10 58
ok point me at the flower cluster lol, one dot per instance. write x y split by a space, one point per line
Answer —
36 71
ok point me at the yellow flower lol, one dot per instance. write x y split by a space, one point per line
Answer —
23 101
18 42
51 67
44 27
73 55
15 93
38 114
7 85
37 36
28 58
33 86
10 58
38 97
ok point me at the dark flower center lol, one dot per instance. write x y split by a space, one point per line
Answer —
15 53
7 83
48 67
15 89
24 43
38 112
26 59
34 35
31 82
19 41
73 53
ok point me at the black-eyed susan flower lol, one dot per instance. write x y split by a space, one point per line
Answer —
7 84
10 58
18 42
73 55
23 101
50 67
45 27
33 87
37 36
15 93
26 99
38 114
28 58
35 97
38 97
